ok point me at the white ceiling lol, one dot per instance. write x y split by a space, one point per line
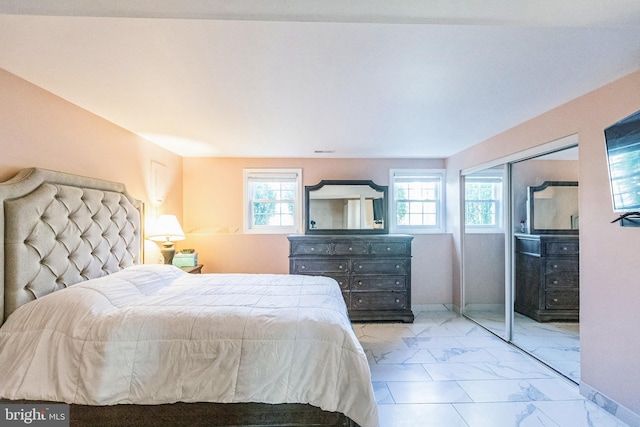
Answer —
420 78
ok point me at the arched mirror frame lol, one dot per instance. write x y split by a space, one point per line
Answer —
384 229
531 209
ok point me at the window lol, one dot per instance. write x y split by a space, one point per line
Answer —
483 201
273 200
417 200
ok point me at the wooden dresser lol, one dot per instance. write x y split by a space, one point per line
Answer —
547 276
374 271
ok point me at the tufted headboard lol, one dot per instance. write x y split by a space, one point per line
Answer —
60 229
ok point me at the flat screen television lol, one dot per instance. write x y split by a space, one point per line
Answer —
623 157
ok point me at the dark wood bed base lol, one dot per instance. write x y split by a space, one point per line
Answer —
202 414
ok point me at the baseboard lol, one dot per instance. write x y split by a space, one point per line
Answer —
492 308
431 307
610 405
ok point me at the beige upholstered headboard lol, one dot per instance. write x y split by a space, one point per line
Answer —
60 229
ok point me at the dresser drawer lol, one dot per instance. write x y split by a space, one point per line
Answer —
565 299
310 248
553 265
562 248
378 300
347 298
528 246
320 267
390 248
343 281
379 266
374 283
562 280
350 248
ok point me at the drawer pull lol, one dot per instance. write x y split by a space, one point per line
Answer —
565 248
397 282
555 300
388 248
397 300
360 266
359 282
360 300
350 248
397 265
340 267
555 282
555 265
302 267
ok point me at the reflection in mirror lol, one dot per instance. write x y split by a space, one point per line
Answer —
341 207
553 208
492 258
484 249
555 342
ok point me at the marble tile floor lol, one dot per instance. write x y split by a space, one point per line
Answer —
446 371
555 343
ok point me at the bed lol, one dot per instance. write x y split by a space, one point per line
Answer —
86 323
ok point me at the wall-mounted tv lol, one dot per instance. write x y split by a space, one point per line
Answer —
623 157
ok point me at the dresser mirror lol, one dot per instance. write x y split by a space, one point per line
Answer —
346 207
552 208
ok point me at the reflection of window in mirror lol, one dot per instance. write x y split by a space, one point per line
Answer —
346 206
484 200
344 213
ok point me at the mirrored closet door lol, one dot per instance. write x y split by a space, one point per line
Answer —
484 251
520 250
546 259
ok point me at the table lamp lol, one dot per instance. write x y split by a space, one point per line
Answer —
167 230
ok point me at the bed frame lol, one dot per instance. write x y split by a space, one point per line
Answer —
59 229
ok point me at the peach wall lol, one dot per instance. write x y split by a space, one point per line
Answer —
610 273
213 191
40 129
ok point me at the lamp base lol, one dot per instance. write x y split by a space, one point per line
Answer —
168 251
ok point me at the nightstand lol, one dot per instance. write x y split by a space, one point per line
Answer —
193 270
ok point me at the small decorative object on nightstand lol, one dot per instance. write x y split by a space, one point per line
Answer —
186 258
196 269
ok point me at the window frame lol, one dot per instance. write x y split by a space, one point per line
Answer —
440 227
499 208
277 174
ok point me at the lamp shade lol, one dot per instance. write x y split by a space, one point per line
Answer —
166 228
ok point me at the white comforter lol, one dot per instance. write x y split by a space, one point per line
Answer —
154 334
